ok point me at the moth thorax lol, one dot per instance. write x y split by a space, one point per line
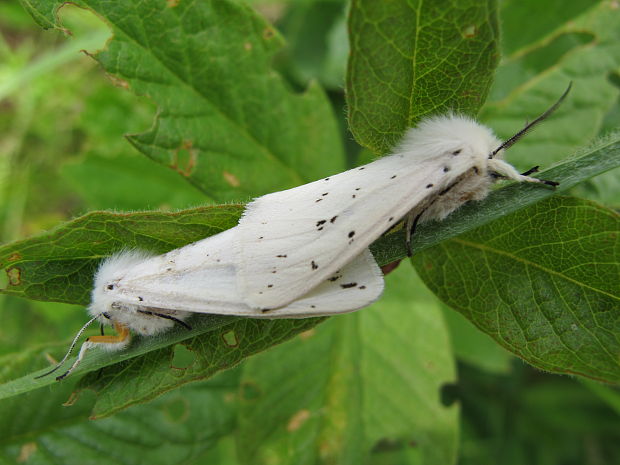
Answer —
474 185
147 321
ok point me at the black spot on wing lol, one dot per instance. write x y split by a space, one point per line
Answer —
428 186
446 169
314 265
333 219
348 285
281 256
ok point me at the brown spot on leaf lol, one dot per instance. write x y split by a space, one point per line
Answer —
172 3
26 451
268 33
307 334
14 256
470 31
297 420
118 82
247 46
231 179
184 159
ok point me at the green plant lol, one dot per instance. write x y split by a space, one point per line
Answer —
362 387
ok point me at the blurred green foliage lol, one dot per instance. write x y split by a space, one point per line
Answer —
63 153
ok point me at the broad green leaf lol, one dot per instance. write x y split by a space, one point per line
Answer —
112 182
411 58
357 386
38 429
584 50
543 282
226 120
576 41
222 347
542 19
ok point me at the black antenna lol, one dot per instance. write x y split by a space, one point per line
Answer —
508 143
75 339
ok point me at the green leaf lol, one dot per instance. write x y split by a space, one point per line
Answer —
226 120
227 342
584 50
360 386
549 17
37 428
112 181
543 282
411 58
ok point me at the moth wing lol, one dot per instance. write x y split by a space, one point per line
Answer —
290 241
202 278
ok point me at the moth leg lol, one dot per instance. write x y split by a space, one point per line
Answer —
410 224
530 171
120 339
507 171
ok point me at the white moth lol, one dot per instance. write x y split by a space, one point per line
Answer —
306 233
145 294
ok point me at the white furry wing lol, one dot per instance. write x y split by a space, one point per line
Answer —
290 241
202 277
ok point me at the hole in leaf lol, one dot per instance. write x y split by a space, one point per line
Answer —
15 276
230 339
182 358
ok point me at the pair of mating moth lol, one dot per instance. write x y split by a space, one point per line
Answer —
304 252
